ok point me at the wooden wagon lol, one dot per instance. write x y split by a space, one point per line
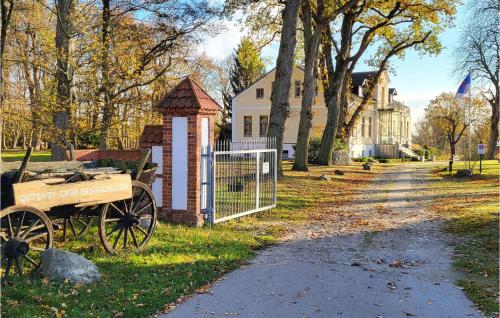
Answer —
39 209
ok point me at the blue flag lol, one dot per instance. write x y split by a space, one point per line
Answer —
464 88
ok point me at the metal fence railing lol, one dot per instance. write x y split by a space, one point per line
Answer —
243 182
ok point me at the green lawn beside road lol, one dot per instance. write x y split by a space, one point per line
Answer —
18 155
472 206
179 260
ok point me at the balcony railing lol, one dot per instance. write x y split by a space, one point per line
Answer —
388 139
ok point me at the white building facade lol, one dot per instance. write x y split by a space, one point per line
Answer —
383 130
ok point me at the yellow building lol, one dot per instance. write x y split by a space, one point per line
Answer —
384 129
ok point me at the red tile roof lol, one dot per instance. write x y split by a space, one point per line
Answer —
188 95
152 134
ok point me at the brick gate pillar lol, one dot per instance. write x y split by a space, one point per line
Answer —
188 126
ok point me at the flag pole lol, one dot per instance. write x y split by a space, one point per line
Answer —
470 130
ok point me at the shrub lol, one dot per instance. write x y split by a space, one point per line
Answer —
363 159
338 145
314 144
390 160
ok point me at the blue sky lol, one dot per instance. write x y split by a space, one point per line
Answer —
417 79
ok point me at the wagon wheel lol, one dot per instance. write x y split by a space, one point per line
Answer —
25 232
128 224
73 226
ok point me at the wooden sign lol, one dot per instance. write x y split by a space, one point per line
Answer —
44 194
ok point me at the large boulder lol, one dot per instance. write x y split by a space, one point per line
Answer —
367 166
339 172
464 173
341 158
62 265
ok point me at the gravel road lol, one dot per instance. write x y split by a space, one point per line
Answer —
396 264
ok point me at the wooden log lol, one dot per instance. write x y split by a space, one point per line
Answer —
71 152
56 166
52 192
141 165
24 165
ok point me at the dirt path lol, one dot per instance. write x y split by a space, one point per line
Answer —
383 256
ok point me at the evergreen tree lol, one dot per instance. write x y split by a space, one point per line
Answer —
247 67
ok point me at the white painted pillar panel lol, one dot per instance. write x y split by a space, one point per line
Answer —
204 161
157 188
179 163
157 157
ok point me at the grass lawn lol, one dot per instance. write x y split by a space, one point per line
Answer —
472 206
180 260
18 155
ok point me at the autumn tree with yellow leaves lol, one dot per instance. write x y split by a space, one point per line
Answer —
449 117
90 73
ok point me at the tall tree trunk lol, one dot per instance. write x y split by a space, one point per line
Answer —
4 144
344 107
61 117
15 141
6 7
495 113
452 156
334 102
280 106
94 116
32 77
107 109
311 45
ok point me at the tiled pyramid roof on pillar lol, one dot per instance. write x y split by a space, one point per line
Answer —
188 96
151 135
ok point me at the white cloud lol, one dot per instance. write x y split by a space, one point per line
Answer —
224 43
417 99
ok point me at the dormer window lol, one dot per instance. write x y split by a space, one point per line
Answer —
259 93
392 93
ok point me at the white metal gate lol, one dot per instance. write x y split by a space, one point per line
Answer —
240 182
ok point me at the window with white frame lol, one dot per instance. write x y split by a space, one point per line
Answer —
259 93
369 127
363 125
247 126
